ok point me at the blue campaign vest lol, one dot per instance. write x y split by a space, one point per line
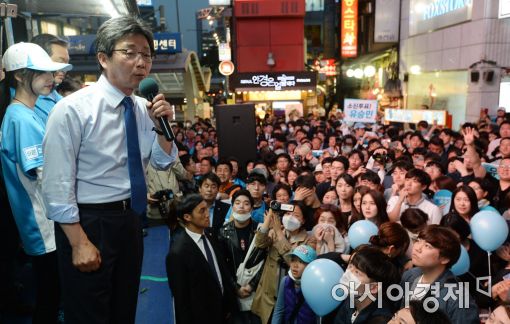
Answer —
305 314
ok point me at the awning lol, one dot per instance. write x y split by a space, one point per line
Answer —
76 8
366 59
174 73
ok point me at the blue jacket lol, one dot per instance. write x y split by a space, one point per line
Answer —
288 296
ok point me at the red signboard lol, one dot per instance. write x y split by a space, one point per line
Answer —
349 27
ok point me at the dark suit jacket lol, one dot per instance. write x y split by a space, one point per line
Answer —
220 212
197 295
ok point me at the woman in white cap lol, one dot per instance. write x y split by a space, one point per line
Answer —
29 74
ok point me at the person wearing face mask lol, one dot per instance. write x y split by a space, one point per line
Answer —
236 237
279 240
369 272
330 231
291 306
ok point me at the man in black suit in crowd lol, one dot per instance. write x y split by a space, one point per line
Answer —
208 188
197 273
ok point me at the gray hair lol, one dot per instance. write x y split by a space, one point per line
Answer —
112 30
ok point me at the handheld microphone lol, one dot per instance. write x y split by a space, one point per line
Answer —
149 89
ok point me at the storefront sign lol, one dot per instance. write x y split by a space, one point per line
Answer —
356 110
414 116
386 26
167 43
224 52
226 67
82 45
428 15
349 27
504 9
274 81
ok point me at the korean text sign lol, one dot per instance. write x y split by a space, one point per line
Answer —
356 110
349 28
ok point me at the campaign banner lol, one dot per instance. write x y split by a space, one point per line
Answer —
357 110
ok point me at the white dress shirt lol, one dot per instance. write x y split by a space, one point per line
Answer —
85 150
197 238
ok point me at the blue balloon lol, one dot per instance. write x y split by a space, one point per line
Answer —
317 282
489 208
489 230
462 265
360 232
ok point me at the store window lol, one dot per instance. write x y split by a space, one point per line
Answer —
314 5
440 91
70 31
49 28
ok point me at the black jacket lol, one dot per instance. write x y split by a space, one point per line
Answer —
220 212
235 255
198 297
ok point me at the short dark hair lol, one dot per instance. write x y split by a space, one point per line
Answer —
435 140
187 204
284 155
46 40
421 315
327 160
413 219
255 176
342 159
307 181
371 176
211 161
376 265
185 159
403 165
279 186
209 176
419 175
445 240
243 192
225 162
358 153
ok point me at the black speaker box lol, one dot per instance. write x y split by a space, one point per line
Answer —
475 76
235 126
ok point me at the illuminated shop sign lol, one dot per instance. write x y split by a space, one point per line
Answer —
442 7
429 15
349 27
274 81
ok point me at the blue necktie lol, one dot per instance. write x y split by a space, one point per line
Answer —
210 259
136 177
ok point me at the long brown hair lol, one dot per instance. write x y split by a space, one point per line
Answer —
391 233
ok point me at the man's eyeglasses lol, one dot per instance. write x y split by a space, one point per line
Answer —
504 167
132 55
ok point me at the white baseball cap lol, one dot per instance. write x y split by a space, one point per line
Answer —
31 56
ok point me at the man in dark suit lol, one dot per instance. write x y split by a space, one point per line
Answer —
197 273
208 188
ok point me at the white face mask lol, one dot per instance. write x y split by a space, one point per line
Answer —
241 217
284 128
291 129
291 223
350 277
296 281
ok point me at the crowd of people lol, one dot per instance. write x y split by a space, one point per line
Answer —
328 174
242 233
